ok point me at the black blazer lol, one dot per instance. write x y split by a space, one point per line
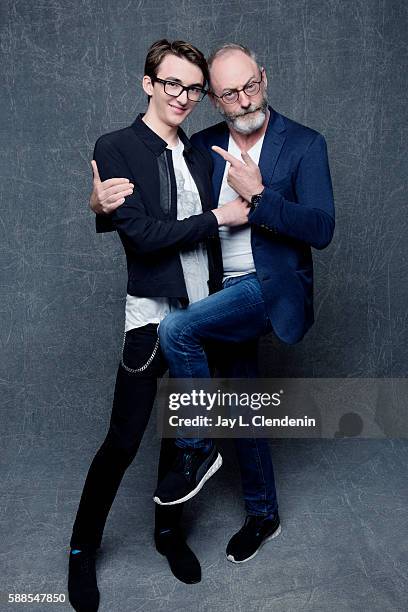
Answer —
147 222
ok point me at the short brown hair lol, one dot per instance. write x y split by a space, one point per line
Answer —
182 49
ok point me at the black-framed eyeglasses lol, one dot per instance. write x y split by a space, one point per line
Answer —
250 89
194 93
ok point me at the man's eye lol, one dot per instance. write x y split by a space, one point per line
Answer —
196 90
251 86
228 94
173 85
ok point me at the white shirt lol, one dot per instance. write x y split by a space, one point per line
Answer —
143 310
193 261
236 241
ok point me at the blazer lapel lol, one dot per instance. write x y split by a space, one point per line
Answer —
275 136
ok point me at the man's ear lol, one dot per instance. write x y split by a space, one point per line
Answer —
147 85
265 78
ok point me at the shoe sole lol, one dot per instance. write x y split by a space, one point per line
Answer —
214 468
275 533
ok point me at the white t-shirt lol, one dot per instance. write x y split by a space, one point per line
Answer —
141 310
236 241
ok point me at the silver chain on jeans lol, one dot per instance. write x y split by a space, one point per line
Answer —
148 362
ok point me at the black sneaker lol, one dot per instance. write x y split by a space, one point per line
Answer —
257 530
182 561
190 471
83 590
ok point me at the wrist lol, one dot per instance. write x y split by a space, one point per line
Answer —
218 215
258 191
256 198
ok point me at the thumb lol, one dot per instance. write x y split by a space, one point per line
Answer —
96 177
247 158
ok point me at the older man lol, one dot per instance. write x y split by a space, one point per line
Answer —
281 168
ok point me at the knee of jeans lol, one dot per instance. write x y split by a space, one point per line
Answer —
170 330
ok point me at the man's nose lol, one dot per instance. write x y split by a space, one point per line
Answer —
244 99
183 98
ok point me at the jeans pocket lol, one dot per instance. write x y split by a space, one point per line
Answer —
140 347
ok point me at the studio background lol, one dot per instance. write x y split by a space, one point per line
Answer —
70 72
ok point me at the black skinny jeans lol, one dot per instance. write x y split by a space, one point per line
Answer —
132 405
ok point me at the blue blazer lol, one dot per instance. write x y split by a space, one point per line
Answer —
296 212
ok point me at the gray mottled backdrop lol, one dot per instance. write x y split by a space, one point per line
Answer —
71 71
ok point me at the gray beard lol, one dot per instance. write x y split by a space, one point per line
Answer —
248 121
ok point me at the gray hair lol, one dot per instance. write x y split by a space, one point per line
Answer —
226 47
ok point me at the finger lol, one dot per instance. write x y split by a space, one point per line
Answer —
108 208
114 198
112 195
96 177
117 190
247 158
116 181
227 156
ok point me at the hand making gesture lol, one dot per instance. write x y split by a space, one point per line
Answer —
107 195
243 176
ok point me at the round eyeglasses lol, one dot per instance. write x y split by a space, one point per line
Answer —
194 93
232 95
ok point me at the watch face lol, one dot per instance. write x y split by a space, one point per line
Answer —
255 200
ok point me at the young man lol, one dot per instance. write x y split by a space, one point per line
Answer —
281 168
170 237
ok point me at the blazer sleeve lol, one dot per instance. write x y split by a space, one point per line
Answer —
311 219
140 232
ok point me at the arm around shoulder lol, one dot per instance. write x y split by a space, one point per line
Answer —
139 230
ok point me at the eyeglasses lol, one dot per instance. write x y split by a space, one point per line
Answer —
250 89
194 94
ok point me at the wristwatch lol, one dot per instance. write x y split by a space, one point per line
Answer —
255 200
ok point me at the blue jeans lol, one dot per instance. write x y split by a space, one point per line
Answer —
235 318
235 314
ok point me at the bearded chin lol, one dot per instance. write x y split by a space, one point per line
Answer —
249 122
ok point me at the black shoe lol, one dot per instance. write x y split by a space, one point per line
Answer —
191 469
257 530
83 590
183 562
